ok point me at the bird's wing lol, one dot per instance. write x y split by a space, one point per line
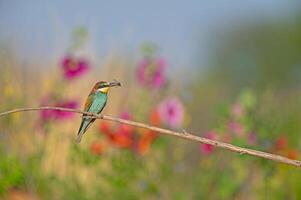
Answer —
98 104
95 103
89 102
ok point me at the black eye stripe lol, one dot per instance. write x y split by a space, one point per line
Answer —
103 85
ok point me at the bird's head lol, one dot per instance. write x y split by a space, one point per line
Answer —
104 87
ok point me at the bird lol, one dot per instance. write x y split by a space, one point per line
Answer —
95 103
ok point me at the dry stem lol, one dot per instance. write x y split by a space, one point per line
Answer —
183 135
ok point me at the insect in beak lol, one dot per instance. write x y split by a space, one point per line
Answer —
115 83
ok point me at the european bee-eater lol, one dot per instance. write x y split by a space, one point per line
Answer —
95 103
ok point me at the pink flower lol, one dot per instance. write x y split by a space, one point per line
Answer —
208 148
74 67
252 138
237 110
151 72
171 112
123 128
46 115
236 128
125 115
61 115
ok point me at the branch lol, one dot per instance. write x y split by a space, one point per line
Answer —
183 135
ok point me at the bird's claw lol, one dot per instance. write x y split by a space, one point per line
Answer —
185 133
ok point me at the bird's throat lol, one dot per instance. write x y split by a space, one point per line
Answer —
104 90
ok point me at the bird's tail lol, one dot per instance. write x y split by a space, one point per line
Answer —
82 129
79 137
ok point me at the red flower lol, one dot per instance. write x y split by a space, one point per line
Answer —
123 127
105 128
122 136
144 142
281 143
97 148
122 140
74 67
155 119
292 154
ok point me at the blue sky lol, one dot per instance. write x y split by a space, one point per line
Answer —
183 29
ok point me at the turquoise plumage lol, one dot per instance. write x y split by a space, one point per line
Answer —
95 103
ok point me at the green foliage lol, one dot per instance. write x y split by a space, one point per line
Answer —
11 172
83 156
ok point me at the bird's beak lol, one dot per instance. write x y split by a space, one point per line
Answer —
115 83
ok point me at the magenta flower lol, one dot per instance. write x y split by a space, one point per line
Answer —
208 148
171 112
46 115
125 115
150 72
61 115
74 67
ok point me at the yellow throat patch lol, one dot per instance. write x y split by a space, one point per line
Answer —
104 90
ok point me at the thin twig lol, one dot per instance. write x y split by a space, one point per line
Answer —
183 135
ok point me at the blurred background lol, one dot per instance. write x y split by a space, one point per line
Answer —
226 70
